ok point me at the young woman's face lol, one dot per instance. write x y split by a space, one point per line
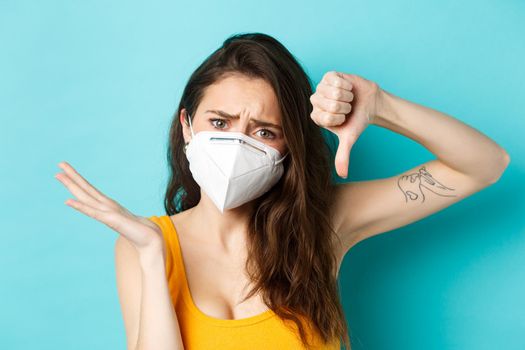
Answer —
242 104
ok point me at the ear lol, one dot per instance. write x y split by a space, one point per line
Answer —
185 125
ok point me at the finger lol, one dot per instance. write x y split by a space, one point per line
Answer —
335 93
76 190
337 80
326 119
342 156
347 139
86 209
329 105
109 218
82 182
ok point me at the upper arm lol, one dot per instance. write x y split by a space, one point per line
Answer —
367 208
129 287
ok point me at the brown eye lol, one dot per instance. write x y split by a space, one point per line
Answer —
222 122
268 133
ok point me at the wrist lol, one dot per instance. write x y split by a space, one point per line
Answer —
152 255
384 107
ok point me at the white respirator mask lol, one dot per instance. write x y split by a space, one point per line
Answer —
231 167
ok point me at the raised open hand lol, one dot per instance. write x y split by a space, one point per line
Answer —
333 111
140 231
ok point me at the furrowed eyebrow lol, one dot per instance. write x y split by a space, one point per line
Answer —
236 116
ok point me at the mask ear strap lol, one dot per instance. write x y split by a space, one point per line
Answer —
189 119
280 160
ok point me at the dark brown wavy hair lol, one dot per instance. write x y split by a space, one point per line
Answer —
291 260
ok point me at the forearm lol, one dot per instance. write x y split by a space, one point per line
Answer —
456 144
159 327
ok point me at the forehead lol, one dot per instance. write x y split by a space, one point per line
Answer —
239 94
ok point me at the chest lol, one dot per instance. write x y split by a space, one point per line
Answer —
218 282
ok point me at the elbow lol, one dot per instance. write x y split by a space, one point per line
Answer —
506 157
501 165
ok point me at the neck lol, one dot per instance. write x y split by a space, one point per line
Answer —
226 230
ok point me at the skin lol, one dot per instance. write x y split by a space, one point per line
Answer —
249 99
466 161
214 249
140 265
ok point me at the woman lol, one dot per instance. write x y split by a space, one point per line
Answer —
248 253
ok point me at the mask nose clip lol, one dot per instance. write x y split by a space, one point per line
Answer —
235 140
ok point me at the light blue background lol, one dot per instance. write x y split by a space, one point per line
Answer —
95 83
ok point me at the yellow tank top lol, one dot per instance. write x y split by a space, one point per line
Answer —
201 331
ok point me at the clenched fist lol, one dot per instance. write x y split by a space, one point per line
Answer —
345 104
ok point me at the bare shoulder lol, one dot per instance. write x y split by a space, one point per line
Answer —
182 222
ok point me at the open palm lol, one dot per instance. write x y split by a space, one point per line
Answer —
139 231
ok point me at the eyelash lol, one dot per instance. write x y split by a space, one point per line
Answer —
224 120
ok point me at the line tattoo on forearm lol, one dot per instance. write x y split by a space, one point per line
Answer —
412 186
